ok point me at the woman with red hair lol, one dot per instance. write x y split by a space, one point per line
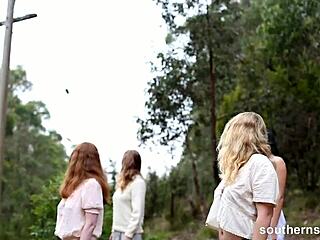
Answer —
84 191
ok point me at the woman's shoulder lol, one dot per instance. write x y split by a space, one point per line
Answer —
139 178
138 181
260 160
91 182
278 161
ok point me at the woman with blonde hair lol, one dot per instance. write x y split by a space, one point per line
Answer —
129 200
248 191
84 191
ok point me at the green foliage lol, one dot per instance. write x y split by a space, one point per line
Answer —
206 233
44 205
32 156
266 59
107 222
44 212
156 195
279 77
179 94
179 105
302 208
156 228
158 236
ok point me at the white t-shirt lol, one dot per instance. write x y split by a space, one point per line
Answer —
87 197
257 181
128 207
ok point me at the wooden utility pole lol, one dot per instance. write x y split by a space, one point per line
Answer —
4 80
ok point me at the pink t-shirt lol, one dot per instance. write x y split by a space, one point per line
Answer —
87 197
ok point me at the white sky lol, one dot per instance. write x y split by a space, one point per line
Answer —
99 50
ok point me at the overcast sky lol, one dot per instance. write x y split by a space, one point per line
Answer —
99 50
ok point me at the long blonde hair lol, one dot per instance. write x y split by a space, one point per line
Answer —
131 166
244 135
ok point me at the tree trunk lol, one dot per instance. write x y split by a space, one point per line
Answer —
213 79
194 208
200 198
200 203
172 206
213 119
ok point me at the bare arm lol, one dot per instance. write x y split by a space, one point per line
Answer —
282 177
264 215
89 226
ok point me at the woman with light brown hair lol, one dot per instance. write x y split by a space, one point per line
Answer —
129 200
244 200
84 191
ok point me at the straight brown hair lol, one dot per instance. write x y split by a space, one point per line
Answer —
131 166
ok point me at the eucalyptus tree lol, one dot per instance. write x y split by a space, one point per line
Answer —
279 77
32 156
191 77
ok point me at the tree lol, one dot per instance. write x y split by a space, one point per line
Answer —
194 74
32 156
263 57
279 77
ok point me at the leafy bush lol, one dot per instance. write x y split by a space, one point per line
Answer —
44 210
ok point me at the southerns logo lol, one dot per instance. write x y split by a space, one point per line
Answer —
290 230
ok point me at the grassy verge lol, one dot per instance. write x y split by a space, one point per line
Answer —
157 229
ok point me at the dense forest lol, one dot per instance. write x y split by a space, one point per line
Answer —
222 57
